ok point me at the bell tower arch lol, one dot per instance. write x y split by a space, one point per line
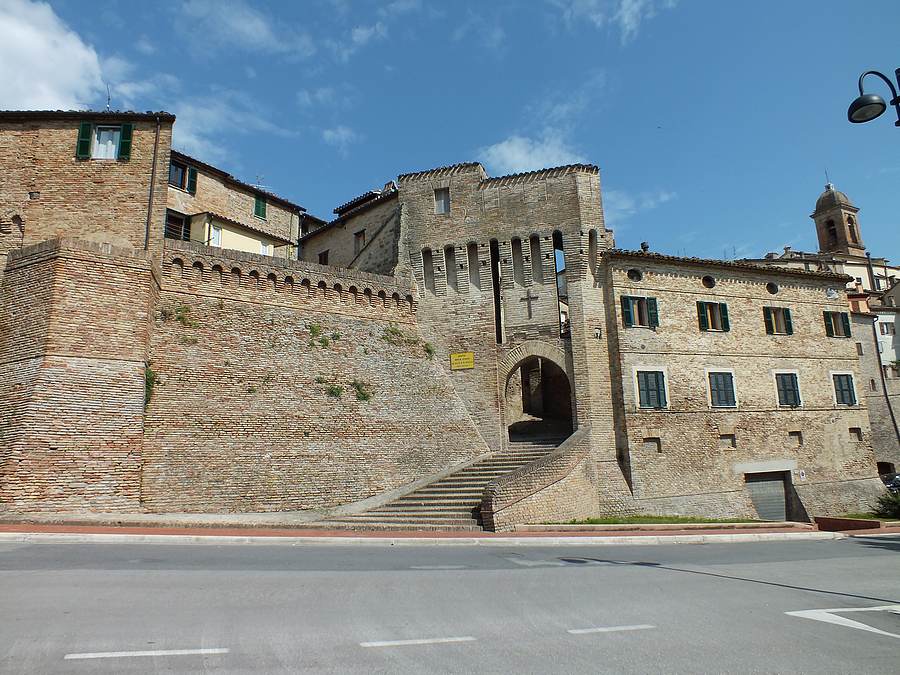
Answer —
837 225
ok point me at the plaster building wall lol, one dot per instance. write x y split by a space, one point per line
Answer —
56 195
74 321
219 194
692 458
378 218
882 393
242 419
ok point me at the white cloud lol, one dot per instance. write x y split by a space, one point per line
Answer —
620 205
145 46
625 15
400 7
341 96
236 24
521 153
341 137
43 63
487 32
360 36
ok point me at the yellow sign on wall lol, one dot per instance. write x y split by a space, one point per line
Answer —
462 361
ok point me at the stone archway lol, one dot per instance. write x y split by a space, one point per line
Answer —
536 391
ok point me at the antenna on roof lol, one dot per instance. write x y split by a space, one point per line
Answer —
258 184
828 185
107 97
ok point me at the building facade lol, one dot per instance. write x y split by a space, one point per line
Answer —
429 327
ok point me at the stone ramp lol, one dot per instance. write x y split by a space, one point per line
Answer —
452 502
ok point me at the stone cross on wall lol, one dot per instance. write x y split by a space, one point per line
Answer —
529 298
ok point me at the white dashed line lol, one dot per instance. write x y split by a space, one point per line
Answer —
609 629
427 641
155 652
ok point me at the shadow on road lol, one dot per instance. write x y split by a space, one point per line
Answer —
880 543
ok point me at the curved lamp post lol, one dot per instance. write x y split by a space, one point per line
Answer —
867 107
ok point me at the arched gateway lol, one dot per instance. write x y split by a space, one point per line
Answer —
536 388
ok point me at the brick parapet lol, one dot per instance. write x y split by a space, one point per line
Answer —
516 498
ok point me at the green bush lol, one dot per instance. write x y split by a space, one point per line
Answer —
151 379
363 392
315 330
334 391
888 505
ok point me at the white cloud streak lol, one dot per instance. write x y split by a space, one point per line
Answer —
624 15
620 205
44 64
341 137
521 153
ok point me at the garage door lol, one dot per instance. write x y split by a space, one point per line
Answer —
767 494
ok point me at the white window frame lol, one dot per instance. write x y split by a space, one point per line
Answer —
737 401
831 374
636 390
95 140
787 371
264 248
215 235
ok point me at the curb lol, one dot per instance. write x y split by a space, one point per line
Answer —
216 540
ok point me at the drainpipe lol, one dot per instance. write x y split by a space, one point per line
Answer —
871 271
152 185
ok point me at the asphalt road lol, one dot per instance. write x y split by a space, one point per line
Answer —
118 608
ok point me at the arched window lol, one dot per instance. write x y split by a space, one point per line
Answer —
428 269
851 225
517 261
472 260
537 265
450 263
832 232
592 250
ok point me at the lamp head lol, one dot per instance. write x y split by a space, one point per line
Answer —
866 108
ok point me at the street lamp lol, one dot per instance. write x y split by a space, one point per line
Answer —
869 106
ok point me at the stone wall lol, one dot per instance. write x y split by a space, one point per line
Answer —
74 321
878 391
57 195
247 352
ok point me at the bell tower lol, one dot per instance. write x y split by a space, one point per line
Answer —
836 223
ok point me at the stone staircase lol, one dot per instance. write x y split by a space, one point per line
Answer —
452 502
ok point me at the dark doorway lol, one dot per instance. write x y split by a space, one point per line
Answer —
768 494
885 468
495 284
538 400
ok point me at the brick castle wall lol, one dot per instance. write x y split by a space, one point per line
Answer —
247 350
73 340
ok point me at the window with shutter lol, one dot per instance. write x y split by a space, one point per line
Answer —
713 316
259 207
192 180
844 392
125 141
83 146
778 321
638 311
651 389
721 390
788 389
837 324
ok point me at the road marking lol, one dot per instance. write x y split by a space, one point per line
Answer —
437 567
426 641
609 629
155 652
830 616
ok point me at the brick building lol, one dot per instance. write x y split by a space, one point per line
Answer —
451 346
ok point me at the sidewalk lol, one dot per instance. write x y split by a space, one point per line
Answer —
229 529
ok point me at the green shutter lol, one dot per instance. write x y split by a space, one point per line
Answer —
767 318
192 180
701 315
829 324
723 309
788 322
845 320
652 312
627 317
661 390
125 141
83 147
259 207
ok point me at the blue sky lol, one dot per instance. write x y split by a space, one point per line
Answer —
712 122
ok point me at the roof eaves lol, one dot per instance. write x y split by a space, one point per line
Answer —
115 115
247 226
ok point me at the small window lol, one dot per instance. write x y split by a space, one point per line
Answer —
442 200
450 266
651 389
518 261
177 175
856 434
844 393
772 287
788 389
713 316
637 311
323 257
359 241
474 271
652 444
177 226
259 206
428 269
887 328
837 324
106 143
859 349
635 275
264 248
796 438
537 268
721 390
778 321
727 441
708 281
215 236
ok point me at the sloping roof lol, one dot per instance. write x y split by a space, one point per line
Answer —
112 115
228 178
379 198
247 226
541 173
728 264
450 168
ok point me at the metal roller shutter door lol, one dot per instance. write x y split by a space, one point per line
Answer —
767 494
